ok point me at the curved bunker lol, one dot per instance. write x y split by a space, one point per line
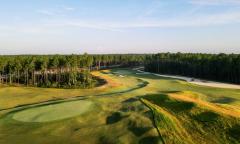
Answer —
54 112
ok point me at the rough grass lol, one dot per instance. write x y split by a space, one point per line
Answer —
168 126
182 120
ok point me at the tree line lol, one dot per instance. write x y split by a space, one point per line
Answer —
218 67
63 71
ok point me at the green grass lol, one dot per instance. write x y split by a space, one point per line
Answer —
170 111
183 122
16 96
54 112
169 128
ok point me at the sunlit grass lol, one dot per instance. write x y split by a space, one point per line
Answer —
173 111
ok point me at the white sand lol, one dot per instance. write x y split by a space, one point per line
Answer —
197 81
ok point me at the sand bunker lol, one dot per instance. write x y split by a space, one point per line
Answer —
54 112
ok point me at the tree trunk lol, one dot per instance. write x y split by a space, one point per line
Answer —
45 76
99 65
10 78
6 79
27 78
33 78
18 76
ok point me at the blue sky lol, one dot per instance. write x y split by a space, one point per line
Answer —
119 26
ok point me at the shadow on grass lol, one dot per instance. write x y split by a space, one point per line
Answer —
137 129
42 104
151 76
115 117
234 132
207 117
165 101
140 85
108 140
224 100
130 100
150 140
169 92
132 104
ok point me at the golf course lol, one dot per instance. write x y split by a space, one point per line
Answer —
120 72
131 107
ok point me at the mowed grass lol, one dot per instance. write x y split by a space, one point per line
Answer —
130 109
112 118
54 112
188 113
16 96
165 85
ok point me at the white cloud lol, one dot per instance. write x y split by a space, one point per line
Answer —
68 8
193 21
46 12
215 2
152 8
59 11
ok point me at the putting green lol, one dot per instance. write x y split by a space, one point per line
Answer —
54 112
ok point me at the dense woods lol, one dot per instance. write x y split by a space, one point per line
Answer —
73 71
63 71
218 67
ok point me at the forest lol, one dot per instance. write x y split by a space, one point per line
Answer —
73 71
217 67
60 71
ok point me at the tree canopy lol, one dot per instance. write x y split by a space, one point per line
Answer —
218 67
65 71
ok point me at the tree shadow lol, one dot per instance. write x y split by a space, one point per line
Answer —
152 76
138 86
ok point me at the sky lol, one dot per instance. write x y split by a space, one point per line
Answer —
119 26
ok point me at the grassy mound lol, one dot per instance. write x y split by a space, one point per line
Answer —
54 112
184 118
168 126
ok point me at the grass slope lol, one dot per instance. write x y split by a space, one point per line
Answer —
170 111
181 120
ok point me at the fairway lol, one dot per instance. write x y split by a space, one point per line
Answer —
54 112
131 108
